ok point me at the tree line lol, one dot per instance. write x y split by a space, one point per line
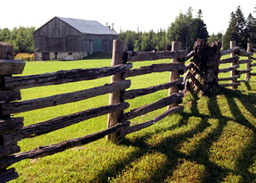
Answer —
21 38
186 28
240 29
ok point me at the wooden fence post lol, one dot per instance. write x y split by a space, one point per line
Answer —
119 47
234 71
248 65
174 74
8 125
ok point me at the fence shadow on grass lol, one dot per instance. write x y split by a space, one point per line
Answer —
166 147
246 159
248 86
201 153
141 145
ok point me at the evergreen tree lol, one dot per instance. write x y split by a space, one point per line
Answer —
231 32
162 41
237 30
200 14
147 43
137 42
241 28
251 29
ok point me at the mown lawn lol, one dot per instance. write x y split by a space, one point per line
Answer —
212 140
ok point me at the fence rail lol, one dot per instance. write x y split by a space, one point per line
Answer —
61 77
149 56
131 94
28 105
235 54
154 68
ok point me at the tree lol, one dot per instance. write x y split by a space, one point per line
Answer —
21 38
199 29
129 37
162 40
231 32
200 14
251 28
5 35
187 29
146 41
215 37
241 28
179 30
190 11
236 30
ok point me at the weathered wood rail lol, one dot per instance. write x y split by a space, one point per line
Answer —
235 54
62 77
13 130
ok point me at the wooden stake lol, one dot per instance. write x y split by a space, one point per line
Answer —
234 71
119 47
8 125
248 65
174 74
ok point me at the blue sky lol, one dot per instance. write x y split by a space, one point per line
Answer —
126 15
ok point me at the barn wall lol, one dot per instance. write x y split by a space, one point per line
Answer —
60 56
58 36
106 42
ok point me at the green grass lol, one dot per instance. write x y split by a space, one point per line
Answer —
212 140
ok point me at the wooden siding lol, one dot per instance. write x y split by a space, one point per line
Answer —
107 41
58 36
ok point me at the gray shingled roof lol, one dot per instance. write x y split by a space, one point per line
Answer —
88 26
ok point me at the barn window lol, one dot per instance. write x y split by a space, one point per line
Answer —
56 55
70 53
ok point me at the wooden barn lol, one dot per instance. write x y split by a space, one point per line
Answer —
72 39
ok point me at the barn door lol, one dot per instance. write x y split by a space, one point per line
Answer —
97 45
45 56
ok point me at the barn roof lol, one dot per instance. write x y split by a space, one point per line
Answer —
88 26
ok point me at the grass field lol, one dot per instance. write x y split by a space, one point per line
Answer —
212 140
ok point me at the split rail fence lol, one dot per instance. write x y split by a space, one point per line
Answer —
235 61
12 129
